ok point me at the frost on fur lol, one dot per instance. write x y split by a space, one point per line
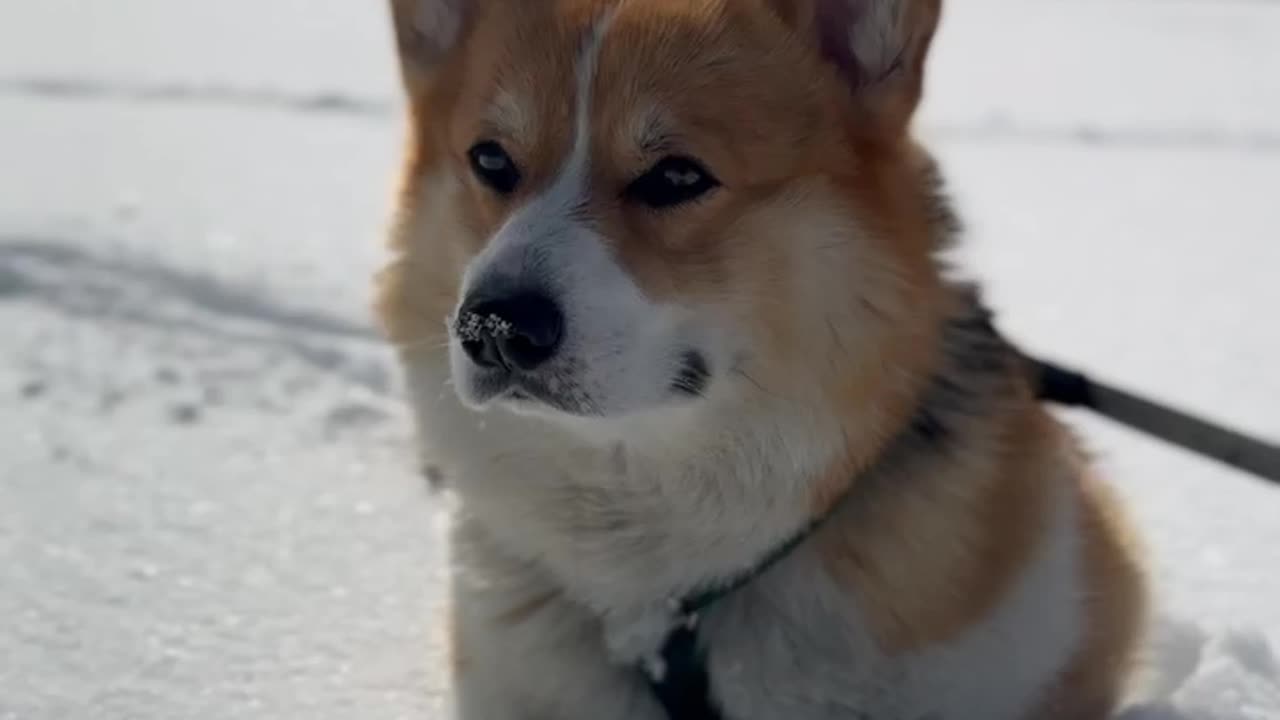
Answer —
473 327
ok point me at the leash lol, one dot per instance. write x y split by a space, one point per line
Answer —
681 682
1074 389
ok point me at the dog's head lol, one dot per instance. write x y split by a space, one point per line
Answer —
615 208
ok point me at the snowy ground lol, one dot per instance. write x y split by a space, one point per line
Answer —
208 505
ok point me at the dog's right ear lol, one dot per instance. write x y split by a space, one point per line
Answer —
426 30
878 47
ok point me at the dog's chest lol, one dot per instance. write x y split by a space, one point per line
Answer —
792 647
605 519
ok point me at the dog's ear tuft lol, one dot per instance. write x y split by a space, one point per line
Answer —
878 46
426 30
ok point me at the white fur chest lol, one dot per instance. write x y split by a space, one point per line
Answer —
618 516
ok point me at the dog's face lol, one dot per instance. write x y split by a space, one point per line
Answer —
616 208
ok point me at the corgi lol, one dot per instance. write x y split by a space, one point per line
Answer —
668 294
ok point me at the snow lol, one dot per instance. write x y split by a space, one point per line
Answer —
209 505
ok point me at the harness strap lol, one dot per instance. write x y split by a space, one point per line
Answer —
681 681
682 685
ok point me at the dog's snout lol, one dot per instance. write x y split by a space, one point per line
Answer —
517 331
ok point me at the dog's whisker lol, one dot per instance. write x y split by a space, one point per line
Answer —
755 383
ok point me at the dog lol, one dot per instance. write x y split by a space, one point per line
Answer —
668 291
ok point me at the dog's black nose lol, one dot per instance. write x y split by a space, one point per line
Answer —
520 331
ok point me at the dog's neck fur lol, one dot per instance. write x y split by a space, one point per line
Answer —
979 369
667 512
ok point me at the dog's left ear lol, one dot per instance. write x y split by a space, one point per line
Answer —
426 31
879 48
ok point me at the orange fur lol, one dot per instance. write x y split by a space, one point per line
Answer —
928 560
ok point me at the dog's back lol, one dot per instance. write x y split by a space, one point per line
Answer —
667 292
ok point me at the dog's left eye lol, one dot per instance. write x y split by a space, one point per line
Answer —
672 181
494 167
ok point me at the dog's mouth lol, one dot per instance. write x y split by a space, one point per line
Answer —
552 390
527 391
524 393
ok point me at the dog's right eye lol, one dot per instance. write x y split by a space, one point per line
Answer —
673 181
495 168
